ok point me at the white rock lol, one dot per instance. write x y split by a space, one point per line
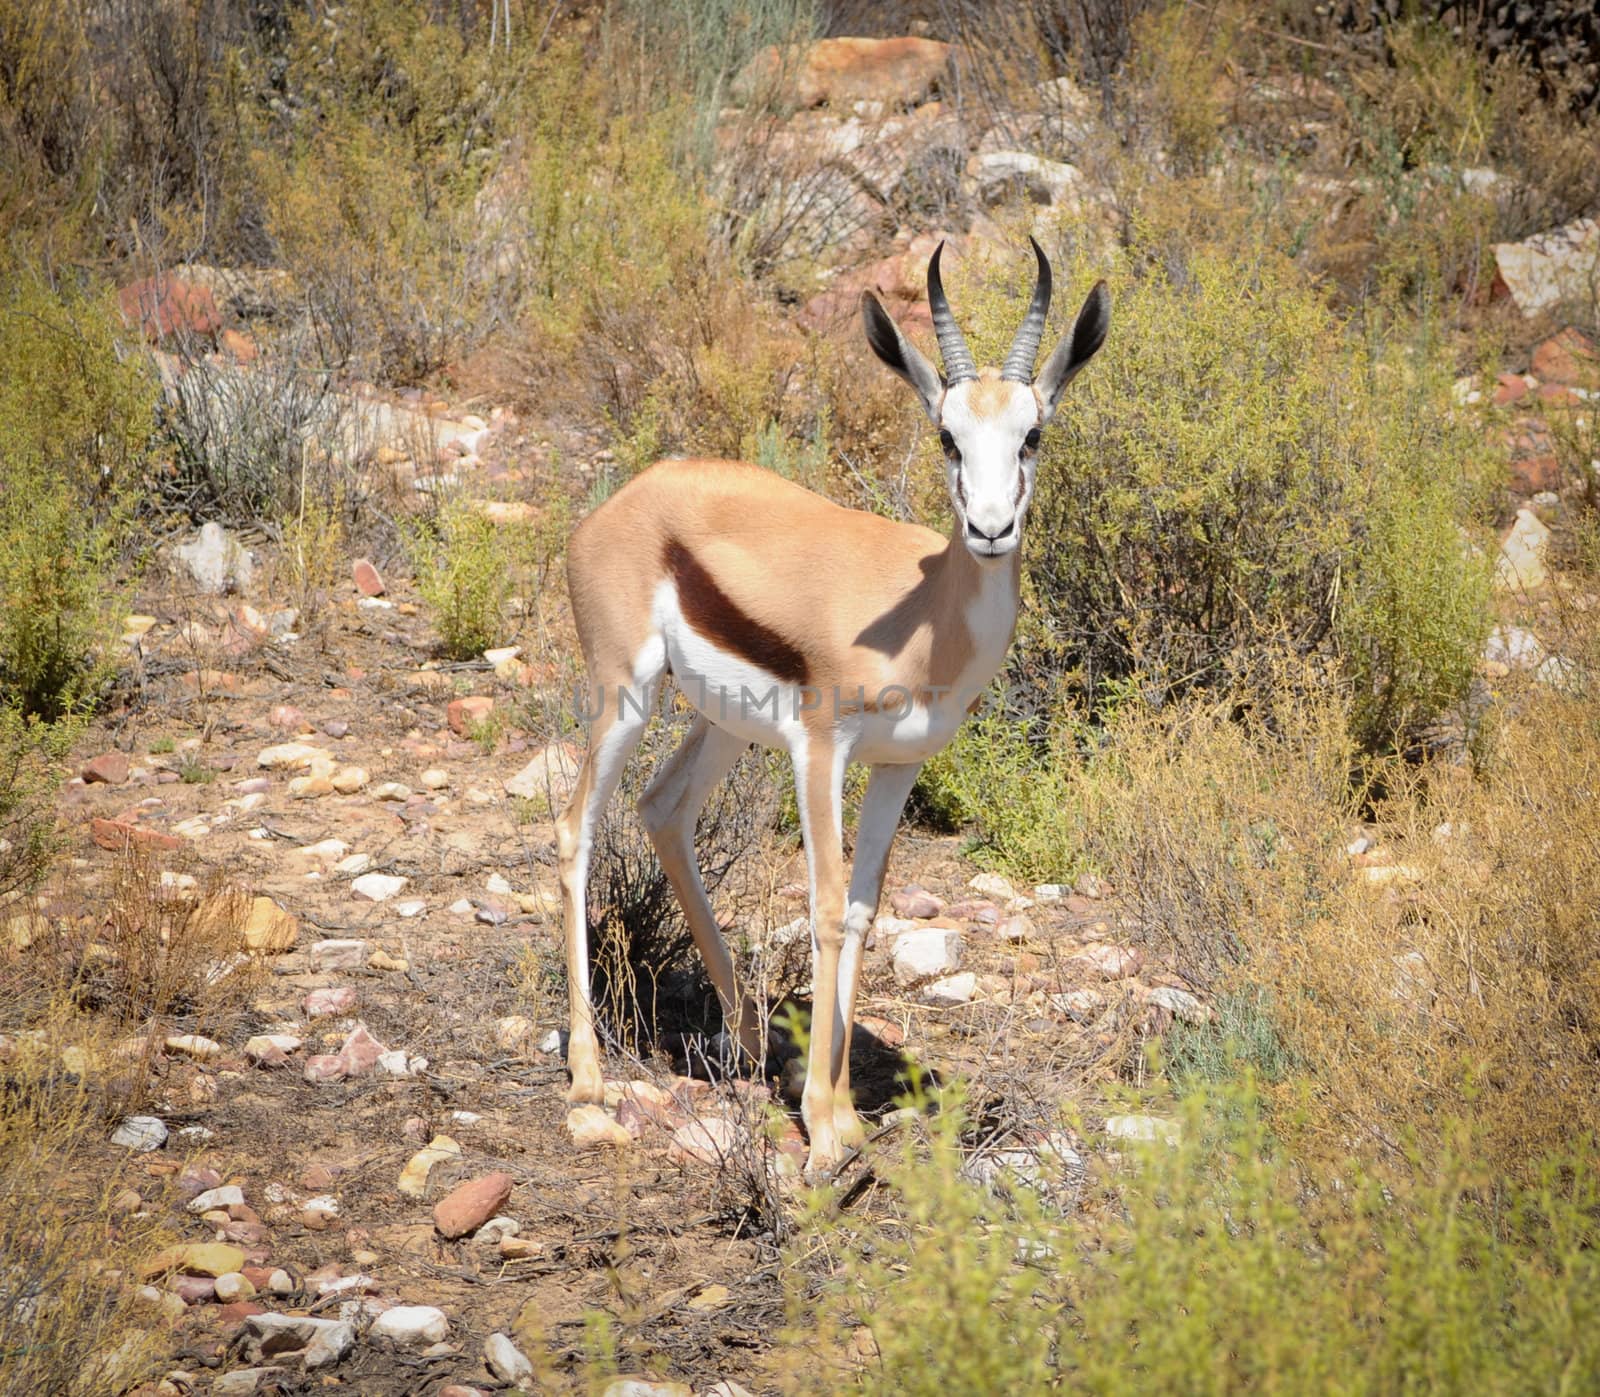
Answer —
291 756
1549 268
325 851
343 954
434 779
377 887
228 1196
142 1133
1513 647
1521 566
496 1228
1179 1003
391 790
994 886
216 560
497 886
394 1063
323 1205
411 907
320 1342
412 1326
1043 181
550 775
194 1045
506 1361
953 989
1143 1128
926 952
354 865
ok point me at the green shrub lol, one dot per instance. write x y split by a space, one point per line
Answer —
33 757
464 567
1235 474
1215 1265
75 419
380 124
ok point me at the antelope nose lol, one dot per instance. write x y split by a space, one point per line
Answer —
978 535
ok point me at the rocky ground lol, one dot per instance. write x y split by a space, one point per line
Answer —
376 1182
371 1162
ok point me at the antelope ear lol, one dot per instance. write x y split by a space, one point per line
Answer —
901 356
1076 350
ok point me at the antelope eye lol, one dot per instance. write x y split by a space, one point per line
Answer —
947 441
1031 441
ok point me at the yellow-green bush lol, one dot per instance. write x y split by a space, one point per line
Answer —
1213 1265
464 564
382 122
75 418
1234 471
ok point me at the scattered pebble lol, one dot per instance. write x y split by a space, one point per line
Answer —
142 1133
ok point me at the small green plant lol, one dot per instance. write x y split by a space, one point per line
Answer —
461 561
160 746
487 732
193 771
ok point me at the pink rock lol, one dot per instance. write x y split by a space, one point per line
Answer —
193 1290
462 713
117 835
369 581
266 1054
286 715
361 1051
322 1004
109 767
468 1206
912 901
1107 961
167 305
977 910
194 1182
325 1067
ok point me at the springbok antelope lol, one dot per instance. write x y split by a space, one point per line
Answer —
831 633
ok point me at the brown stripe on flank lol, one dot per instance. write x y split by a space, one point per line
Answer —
716 616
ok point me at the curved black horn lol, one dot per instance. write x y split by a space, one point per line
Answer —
958 364
1018 367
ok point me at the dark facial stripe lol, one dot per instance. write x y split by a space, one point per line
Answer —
715 615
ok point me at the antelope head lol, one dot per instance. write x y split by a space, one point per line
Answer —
989 420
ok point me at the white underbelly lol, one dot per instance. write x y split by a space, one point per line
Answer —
884 724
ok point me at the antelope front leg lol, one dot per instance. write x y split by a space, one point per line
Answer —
887 789
819 786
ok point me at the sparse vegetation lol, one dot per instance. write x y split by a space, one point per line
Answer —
1249 717
462 563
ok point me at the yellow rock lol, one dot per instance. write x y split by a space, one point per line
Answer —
591 1127
414 1177
268 928
382 960
196 1259
349 780
713 1297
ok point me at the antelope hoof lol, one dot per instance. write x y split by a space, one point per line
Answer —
823 1159
852 1135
